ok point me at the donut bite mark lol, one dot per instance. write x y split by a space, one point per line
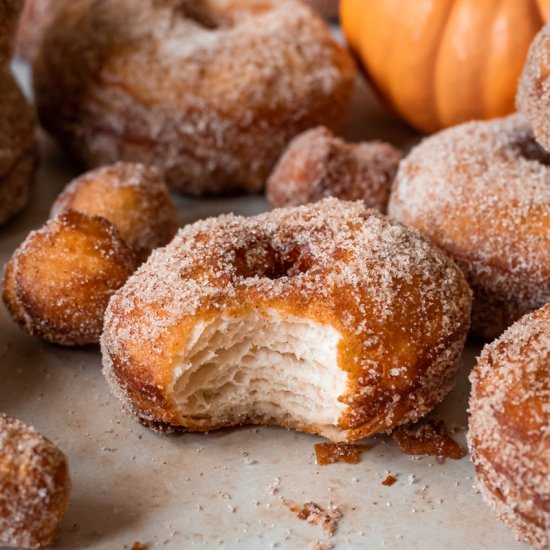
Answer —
58 282
211 92
317 164
509 436
326 318
34 486
133 197
481 191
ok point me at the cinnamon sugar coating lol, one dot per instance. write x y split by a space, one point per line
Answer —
34 486
509 435
481 191
401 306
533 96
58 282
317 164
17 126
133 197
210 91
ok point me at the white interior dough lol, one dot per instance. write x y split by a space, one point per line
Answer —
261 367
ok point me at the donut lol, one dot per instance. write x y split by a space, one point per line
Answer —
210 91
58 282
133 197
34 486
317 164
35 19
508 427
18 152
481 191
9 15
327 318
533 96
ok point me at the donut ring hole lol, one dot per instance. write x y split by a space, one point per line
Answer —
529 149
262 259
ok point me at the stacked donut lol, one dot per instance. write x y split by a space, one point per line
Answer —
481 191
58 282
17 124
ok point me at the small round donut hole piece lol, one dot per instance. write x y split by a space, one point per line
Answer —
317 164
133 197
34 486
58 282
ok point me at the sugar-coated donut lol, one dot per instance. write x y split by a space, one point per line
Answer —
533 97
18 153
481 191
327 318
317 164
211 91
58 282
34 486
9 15
509 435
133 197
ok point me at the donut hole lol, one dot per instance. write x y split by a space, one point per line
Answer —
262 367
529 149
261 259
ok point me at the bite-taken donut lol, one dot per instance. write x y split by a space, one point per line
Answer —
210 91
533 97
9 15
58 282
133 197
481 191
317 164
18 153
35 19
34 486
508 429
327 318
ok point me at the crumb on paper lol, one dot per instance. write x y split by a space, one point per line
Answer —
138 546
428 437
389 480
313 513
318 545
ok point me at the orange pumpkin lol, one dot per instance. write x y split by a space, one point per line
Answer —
442 62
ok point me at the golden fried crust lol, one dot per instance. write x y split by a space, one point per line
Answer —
58 282
133 197
317 164
9 15
509 419
533 96
401 306
18 153
481 191
211 92
34 486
